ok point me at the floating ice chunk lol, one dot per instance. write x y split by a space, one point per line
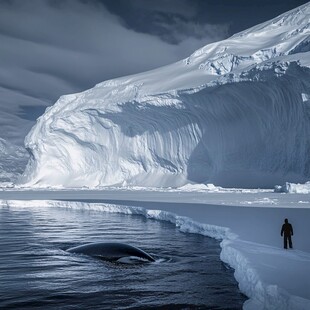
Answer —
200 188
293 188
305 97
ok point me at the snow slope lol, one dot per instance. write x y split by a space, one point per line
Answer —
13 160
235 113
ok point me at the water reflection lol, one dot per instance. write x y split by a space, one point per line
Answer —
36 271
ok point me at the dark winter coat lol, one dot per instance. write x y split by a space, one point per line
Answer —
287 229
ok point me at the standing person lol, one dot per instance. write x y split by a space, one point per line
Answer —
287 229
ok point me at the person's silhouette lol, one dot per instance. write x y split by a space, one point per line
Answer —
287 230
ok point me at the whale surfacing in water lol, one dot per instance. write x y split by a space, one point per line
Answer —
111 251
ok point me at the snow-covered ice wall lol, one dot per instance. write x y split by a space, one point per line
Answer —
234 113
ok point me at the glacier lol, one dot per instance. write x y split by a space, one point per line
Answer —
235 113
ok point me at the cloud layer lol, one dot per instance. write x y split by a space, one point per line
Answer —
50 48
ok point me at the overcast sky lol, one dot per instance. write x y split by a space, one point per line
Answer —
53 47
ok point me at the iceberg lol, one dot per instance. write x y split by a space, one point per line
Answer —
293 188
235 113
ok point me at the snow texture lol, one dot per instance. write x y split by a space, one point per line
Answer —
235 113
13 160
271 277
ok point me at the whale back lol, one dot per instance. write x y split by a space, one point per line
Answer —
110 251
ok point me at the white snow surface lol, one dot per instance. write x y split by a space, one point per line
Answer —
247 223
234 113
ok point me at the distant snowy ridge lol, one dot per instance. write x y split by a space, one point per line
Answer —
261 295
235 113
13 160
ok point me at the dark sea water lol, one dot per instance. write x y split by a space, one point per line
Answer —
37 273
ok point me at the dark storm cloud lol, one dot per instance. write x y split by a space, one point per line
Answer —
171 20
242 14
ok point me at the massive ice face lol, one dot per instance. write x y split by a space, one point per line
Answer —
234 113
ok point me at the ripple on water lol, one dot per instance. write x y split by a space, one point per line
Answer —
37 272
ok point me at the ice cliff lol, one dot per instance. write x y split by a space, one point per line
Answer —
234 113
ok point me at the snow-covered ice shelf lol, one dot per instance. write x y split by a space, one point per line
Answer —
273 278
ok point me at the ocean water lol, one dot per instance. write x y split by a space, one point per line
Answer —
36 272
